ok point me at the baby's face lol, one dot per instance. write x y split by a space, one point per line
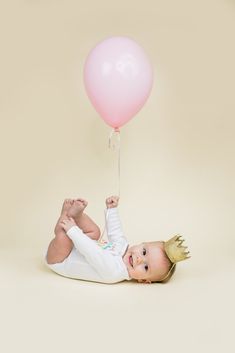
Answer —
146 262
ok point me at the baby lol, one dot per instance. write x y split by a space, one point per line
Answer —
76 251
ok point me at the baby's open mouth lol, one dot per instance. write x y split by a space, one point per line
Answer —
131 260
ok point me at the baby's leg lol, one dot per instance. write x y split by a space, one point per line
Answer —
61 246
88 226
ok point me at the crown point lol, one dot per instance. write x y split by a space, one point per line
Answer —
174 249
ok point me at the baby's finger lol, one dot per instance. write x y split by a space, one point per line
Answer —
115 198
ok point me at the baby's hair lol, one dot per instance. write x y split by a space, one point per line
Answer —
170 267
169 274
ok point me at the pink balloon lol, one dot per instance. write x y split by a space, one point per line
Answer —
118 79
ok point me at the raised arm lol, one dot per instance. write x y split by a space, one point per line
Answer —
114 227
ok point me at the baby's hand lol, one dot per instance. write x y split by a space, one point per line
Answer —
112 201
66 224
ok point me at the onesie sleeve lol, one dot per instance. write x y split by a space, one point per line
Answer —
114 229
102 261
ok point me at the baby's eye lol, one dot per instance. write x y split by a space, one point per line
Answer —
144 251
146 267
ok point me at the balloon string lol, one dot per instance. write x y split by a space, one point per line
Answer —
114 145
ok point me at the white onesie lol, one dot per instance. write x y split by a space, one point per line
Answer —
92 261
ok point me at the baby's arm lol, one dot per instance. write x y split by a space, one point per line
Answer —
99 259
114 228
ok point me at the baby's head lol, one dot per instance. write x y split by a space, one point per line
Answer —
148 262
155 261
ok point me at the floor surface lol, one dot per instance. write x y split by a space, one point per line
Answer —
44 312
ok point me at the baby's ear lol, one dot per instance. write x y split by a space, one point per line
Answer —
144 281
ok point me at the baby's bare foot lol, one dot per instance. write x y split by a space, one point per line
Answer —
77 208
85 202
66 206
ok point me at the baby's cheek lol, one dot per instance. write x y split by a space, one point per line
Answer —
137 273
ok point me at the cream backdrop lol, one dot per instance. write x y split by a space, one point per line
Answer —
177 174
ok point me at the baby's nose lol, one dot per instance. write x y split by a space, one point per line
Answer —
139 259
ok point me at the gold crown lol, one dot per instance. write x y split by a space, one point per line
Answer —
174 249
